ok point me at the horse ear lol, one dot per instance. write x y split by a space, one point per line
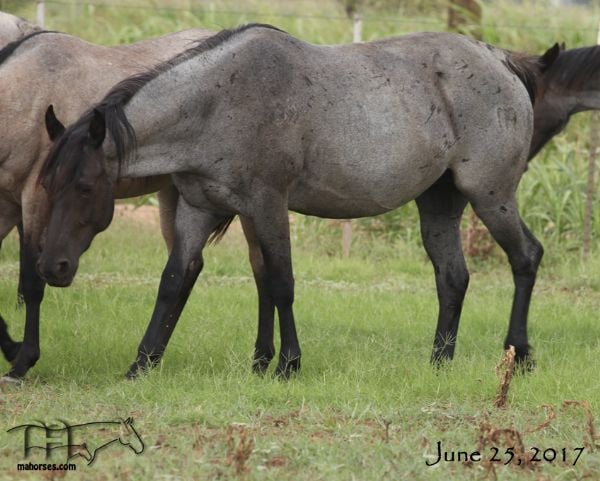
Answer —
97 129
563 46
54 127
550 56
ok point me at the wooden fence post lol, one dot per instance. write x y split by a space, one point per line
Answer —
588 214
41 13
347 223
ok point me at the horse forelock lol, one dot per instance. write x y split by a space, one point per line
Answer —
60 166
573 68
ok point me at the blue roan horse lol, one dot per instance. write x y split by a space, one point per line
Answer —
255 122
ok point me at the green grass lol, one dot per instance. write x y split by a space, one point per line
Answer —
366 326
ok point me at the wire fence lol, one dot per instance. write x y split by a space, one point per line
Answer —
300 14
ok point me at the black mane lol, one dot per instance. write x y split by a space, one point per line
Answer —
573 68
9 48
112 108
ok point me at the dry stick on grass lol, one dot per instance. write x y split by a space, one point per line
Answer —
551 416
504 371
239 452
590 427
491 436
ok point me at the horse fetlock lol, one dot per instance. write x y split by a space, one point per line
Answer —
524 361
262 358
143 363
442 353
12 351
288 365
26 358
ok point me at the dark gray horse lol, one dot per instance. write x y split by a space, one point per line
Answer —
254 121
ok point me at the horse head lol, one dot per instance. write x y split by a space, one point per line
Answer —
80 191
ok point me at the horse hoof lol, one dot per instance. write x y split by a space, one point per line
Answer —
7 381
261 364
259 367
285 369
133 372
524 365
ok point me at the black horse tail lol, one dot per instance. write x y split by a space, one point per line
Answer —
220 231
530 68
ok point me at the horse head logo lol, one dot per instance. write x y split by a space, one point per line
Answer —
130 437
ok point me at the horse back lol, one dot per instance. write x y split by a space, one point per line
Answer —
379 121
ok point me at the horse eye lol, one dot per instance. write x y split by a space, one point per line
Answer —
84 189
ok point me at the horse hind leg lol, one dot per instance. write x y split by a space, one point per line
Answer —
440 211
500 215
273 234
264 349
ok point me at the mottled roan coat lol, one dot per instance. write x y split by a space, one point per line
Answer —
255 122
57 69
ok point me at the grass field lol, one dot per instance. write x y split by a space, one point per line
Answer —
366 405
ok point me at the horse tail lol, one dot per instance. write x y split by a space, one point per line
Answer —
220 230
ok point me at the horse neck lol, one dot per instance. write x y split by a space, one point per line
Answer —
173 113
168 112
156 50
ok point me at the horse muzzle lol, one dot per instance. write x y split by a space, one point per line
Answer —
57 272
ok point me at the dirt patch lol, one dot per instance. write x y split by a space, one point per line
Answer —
145 214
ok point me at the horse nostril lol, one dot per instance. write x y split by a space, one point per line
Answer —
62 266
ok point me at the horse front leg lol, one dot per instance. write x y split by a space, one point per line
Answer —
9 218
32 286
167 208
264 348
8 346
440 211
192 230
273 234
